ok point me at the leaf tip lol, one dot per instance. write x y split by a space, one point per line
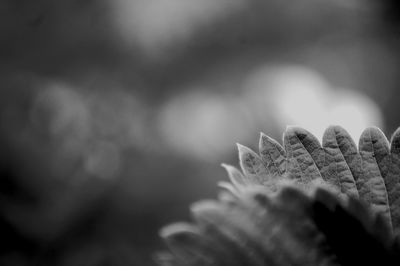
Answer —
262 134
372 134
395 135
225 166
395 142
265 137
240 146
243 149
290 128
203 206
172 229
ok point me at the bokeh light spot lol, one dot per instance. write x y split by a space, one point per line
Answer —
297 95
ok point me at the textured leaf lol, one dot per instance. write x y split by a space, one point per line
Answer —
252 166
301 149
272 154
341 160
392 180
349 150
373 147
258 220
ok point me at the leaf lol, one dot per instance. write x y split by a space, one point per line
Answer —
349 150
301 149
253 166
166 259
227 197
392 180
352 232
341 160
287 219
292 207
289 228
236 176
288 234
230 230
192 246
249 225
370 184
185 241
229 187
266 222
272 154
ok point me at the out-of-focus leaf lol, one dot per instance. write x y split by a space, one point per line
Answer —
285 223
392 180
289 236
292 208
228 187
235 176
354 234
185 242
341 160
166 259
229 227
286 228
301 149
272 154
227 197
253 166
373 146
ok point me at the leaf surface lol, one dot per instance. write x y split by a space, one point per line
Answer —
252 165
301 149
392 180
373 146
272 154
341 160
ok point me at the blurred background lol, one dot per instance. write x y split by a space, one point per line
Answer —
116 114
